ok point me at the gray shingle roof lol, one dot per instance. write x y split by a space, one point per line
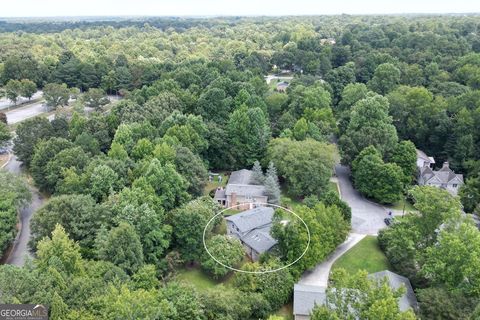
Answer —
423 155
305 297
408 300
260 239
252 219
243 176
245 189
444 175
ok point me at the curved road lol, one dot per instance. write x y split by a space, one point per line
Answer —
367 219
20 246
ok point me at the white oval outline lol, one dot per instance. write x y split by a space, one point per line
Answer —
256 272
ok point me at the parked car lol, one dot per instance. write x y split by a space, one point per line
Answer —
388 221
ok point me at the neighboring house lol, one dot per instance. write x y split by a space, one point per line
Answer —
327 41
240 192
252 228
444 178
282 86
408 300
305 297
423 160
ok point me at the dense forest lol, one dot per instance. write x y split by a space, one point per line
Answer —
127 179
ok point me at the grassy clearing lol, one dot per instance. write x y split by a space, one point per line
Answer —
215 184
196 277
365 255
334 187
286 311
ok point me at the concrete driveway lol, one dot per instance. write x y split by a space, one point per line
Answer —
367 217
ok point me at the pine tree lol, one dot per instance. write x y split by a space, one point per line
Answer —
272 190
272 171
59 309
257 175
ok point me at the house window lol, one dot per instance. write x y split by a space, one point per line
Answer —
454 185
248 196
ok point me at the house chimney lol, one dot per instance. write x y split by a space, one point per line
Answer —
446 165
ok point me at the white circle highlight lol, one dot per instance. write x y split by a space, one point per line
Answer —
257 272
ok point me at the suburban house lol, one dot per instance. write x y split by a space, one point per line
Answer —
305 297
282 86
423 160
241 192
252 228
444 178
395 281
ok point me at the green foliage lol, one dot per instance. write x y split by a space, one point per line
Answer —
15 193
29 133
327 230
95 98
228 250
188 224
385 78
56 95
369 124
79 215
192 168
60 253
5 135
122 247
305 165
357 297
248 133
375 179
405 156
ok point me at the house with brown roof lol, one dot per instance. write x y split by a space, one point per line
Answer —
444 178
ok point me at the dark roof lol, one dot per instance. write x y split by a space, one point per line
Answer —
260 239
305 297
408 300
243 176
252 219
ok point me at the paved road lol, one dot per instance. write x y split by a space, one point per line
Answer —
318 276
20 246
5 103
367 217
23 113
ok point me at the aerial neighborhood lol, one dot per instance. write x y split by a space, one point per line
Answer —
239 166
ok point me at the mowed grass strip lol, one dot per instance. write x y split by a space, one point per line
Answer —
365 255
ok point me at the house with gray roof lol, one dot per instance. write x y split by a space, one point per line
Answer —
444 178
252 228
305 297
241 192
395 281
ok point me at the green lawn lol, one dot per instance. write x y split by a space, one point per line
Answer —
333 186
215 184
365 255
286 311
